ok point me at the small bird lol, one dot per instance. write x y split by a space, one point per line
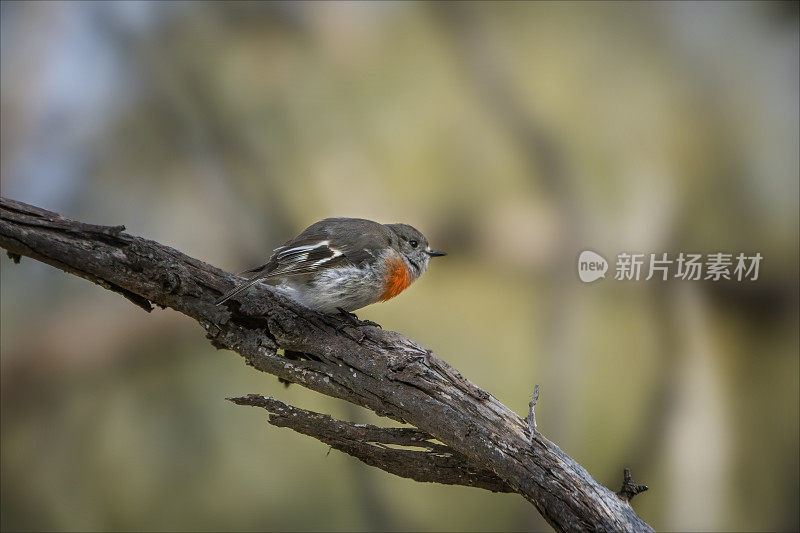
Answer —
344 264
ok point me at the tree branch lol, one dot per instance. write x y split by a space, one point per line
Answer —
629 488
380 370
406 452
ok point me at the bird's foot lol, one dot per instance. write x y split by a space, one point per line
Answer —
355 321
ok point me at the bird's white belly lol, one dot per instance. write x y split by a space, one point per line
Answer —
348 288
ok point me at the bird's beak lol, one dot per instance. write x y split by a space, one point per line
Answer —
434 253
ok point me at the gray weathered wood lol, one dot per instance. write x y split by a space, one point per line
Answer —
406 452
380 370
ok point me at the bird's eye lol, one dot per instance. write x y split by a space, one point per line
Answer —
413 243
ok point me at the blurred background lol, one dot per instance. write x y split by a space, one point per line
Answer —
514 136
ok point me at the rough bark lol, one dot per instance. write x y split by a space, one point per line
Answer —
406 452
489 445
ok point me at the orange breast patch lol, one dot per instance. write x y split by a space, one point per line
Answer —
397 279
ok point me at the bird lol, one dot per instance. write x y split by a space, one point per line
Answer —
343 264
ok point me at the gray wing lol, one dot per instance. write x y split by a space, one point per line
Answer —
332 242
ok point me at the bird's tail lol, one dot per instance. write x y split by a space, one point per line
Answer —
239 288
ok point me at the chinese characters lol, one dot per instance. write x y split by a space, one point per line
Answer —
686 266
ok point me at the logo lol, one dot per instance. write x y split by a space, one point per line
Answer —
664 266
591 266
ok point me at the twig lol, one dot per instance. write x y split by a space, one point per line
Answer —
629 488
531 418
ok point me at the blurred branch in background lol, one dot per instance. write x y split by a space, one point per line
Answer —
545 164
380 370
683 349
202 118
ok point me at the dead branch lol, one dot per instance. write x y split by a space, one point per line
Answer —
380 370
406 452
629 488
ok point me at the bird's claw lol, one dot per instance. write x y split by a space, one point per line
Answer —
354 320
